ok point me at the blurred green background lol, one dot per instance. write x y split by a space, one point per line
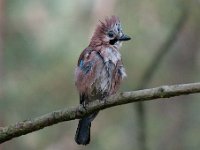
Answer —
40 42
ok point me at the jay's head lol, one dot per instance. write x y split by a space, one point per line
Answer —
109 33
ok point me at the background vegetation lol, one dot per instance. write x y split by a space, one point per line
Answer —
40 42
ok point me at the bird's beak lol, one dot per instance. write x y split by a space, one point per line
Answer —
124 38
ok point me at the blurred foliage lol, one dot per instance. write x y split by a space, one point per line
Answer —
42 43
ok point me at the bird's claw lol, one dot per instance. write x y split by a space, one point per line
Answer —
84 105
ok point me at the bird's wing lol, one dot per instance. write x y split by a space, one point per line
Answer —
89 65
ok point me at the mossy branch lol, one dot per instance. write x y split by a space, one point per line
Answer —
31 125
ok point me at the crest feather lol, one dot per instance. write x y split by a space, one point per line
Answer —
108 23
102 29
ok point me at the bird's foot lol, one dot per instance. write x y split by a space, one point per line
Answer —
84 105
104 98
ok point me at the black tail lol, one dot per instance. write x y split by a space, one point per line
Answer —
82 136
83 131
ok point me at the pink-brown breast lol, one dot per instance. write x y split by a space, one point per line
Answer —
99 73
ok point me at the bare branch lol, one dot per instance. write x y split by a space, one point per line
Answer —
28 126
151 70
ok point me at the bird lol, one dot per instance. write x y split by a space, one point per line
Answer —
99 71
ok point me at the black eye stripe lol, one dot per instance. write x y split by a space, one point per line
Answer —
112 42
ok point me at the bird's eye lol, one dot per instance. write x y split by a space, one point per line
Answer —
111 34
118 29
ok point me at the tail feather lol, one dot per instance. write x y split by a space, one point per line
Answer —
82 136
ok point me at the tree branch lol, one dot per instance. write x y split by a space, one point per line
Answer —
28 126
151 70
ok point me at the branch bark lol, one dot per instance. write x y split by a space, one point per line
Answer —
151 70
31 125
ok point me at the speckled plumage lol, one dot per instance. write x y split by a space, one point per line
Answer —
100 70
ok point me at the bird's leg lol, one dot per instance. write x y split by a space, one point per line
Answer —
104 97
84 105
83 101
